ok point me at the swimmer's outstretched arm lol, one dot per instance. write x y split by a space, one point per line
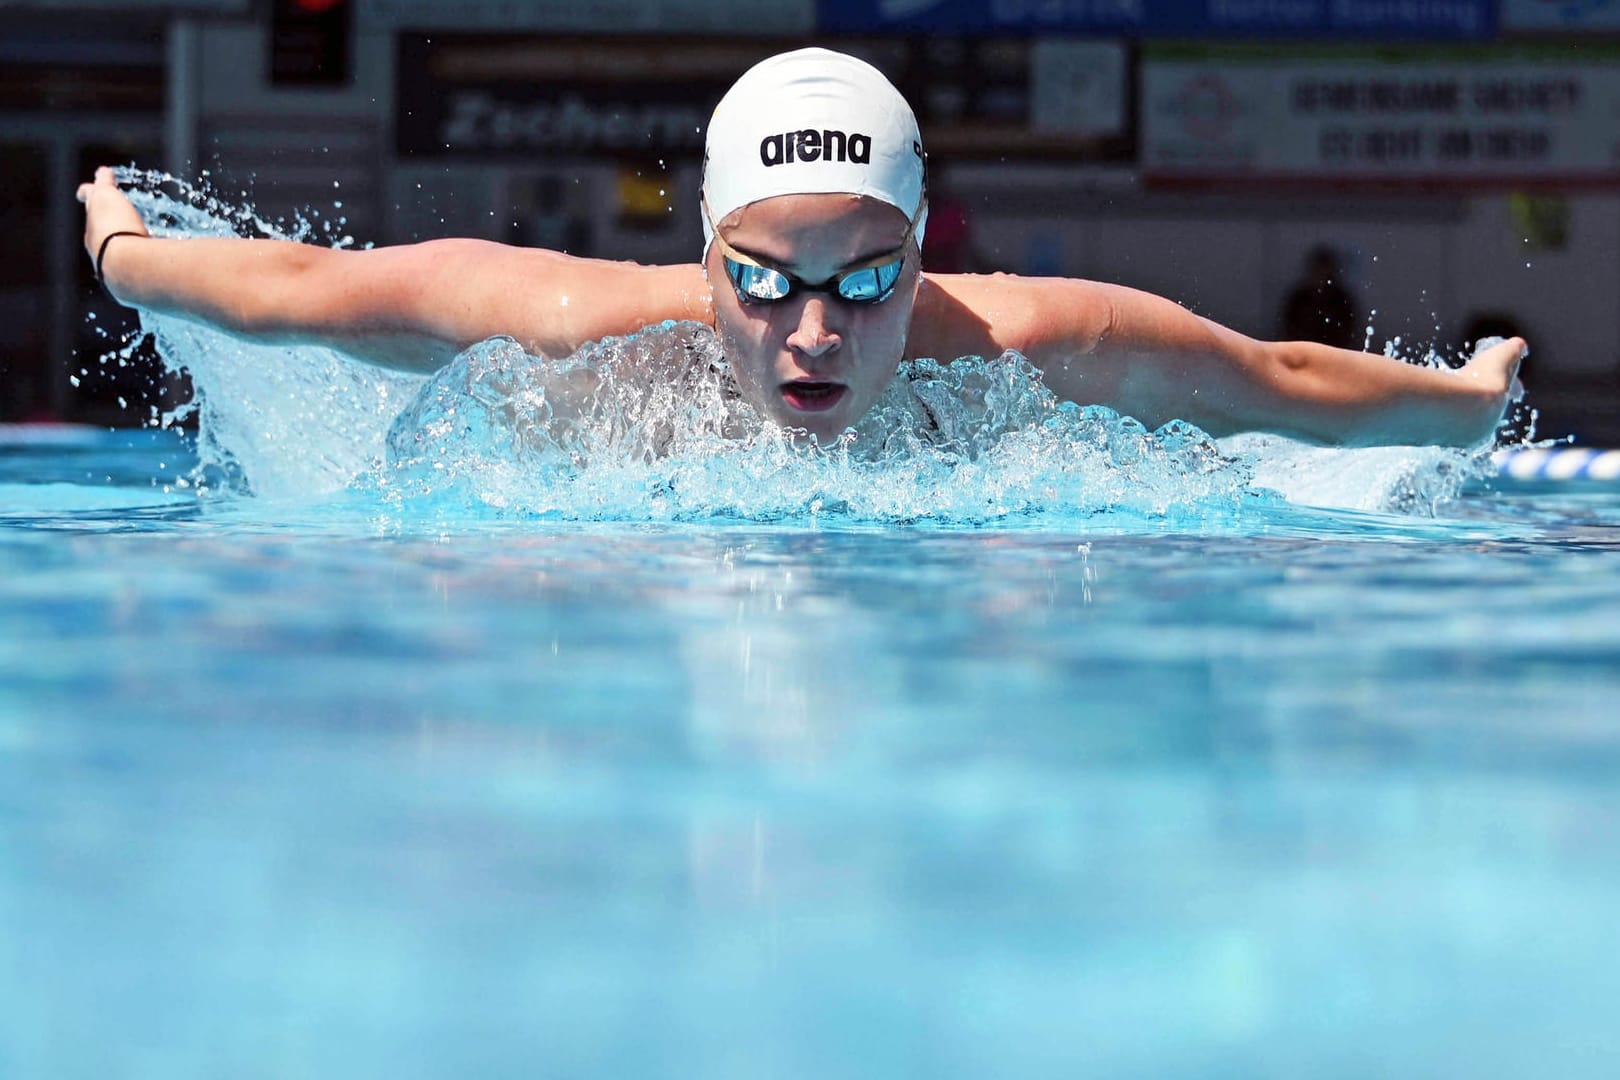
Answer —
1155 360
411 307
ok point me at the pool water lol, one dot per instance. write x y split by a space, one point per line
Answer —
356 785
530 720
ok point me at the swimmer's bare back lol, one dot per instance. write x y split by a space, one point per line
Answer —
414 307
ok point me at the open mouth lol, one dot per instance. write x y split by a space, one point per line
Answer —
808 396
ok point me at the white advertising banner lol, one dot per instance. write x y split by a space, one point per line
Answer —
1450 117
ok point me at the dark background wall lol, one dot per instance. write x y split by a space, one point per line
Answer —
1058 146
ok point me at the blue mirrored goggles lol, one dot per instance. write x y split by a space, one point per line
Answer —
870 283
760 284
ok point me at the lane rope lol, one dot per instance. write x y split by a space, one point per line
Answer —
1562 463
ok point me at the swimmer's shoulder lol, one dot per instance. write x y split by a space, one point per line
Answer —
671 291
569 301
986 314
649 295
485 272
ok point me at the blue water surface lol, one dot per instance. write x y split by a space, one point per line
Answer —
353 787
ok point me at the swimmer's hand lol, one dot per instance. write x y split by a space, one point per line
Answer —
1491 379
107 210
1495 369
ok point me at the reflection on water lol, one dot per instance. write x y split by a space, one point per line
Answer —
325 791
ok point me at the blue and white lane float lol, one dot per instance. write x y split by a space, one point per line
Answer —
1563 463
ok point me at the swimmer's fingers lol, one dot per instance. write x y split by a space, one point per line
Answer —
103 178
1494 373
1497 368
107 210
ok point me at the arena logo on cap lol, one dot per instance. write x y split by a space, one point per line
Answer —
828 144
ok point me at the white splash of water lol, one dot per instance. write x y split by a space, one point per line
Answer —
290 421
1415 480
594 437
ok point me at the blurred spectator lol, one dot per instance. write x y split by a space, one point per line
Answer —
1320 308
949 247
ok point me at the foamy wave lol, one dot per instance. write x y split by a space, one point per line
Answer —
594 437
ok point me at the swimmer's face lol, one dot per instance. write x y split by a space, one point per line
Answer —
814 360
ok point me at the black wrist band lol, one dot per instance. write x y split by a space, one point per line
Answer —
102 254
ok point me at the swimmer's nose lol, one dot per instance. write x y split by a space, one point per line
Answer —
812 337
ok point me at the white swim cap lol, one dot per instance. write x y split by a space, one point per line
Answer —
809 122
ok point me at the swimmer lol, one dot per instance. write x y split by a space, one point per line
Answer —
815 210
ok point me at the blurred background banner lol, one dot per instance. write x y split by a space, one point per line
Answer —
599 16
979 16
1432 116
1561 15
1001 96
1385 19
483 96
